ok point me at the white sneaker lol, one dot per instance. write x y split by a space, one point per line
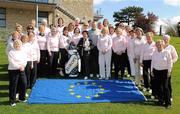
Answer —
97 75
144 89
171 99
152 97
23 101
107 78
61 73
91 75
13 104
150 91
17 95
85 77
27 95
100 78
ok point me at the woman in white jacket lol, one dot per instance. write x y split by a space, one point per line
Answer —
139 41
104 46
16 68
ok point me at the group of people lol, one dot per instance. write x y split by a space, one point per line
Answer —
104 50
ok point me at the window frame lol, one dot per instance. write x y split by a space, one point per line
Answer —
3 19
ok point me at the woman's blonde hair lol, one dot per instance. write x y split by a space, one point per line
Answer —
17 43
24 38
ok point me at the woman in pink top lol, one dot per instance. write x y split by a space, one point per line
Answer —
16 68
76 37
60 25
139 41
63 49
53 50
34 59
145 60
130 51
26 47
105 23
104 46
171 49
71 30
161 67
42 42
119 48
15 35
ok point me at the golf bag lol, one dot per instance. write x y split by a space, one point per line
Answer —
73 66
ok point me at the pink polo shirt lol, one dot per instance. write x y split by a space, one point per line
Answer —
104 43
147 51
53 43
161 60
63 42
42 42
173 52
119 44
75 38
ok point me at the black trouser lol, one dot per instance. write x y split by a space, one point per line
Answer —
17 77
162 86
169 86
42 64
127 64
119 64
63 58
85 63
146 74
94 61
31 73
53 62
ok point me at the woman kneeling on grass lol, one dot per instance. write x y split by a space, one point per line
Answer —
16 67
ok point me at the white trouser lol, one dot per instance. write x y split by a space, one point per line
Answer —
105 64
138 71
132 66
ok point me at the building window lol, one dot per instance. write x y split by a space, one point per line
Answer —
41 16
41 1
2 17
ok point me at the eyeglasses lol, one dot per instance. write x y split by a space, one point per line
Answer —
30 28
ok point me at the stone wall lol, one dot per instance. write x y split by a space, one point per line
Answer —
20 16
82 9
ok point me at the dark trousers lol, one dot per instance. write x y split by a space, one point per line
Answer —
94 61
127 64
162 86
146 74
169 86
85 63
42 65
17 77
119 64
53 62
31 73
63 58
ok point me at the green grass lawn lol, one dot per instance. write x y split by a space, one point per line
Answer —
148 107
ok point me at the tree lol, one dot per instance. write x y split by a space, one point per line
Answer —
128 14
146 22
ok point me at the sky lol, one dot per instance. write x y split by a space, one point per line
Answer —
164 9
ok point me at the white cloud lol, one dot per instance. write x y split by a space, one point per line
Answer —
172 2
172 22
97 2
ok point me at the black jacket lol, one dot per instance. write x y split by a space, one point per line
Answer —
84 47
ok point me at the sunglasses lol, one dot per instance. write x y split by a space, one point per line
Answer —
30 28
